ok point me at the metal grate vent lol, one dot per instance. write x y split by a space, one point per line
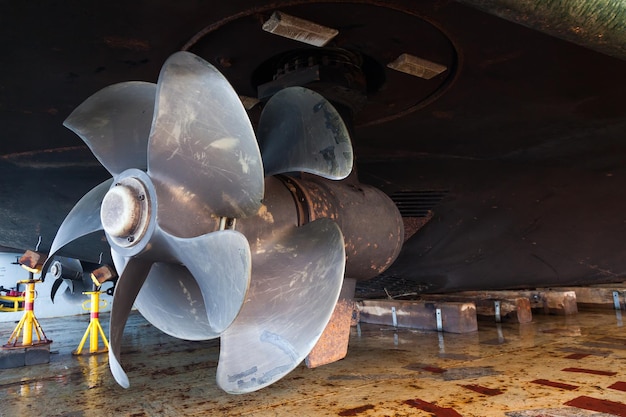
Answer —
417 203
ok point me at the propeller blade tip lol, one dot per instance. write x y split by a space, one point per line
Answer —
116 369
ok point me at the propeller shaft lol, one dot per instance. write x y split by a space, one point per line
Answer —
369 220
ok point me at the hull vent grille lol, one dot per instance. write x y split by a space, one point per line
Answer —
417 203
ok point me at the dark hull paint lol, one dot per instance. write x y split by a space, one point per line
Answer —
515 226
526 132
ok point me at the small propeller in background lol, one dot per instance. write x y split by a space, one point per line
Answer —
70 272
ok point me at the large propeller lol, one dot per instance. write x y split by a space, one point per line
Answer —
186 215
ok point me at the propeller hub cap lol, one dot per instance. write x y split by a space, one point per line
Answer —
55 269
125 212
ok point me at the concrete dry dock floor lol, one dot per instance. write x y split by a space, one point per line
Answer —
555 366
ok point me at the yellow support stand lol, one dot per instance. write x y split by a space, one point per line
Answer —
29 322
94 329
16 300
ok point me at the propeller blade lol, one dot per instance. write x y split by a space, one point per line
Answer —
293 292
128 285
74 292
300 130
220 263
83 219
184 303
202 156
119 262
115 124
55 287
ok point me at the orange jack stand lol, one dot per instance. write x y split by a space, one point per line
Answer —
29 322
94 329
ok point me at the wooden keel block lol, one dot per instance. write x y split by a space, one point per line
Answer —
511 307
549 301
558 302
456 317
598 296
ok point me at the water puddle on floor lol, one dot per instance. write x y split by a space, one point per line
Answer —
554 366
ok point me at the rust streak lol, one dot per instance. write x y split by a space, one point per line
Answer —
119 42
589 371
355 411
432 408
577 356
434 369
483 390
555 384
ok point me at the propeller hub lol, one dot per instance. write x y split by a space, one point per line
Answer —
125 211
55 269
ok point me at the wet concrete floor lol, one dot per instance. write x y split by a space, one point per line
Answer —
555 366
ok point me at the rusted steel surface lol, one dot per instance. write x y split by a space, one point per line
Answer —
413 224
277 213
369 220
333 344
371 224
